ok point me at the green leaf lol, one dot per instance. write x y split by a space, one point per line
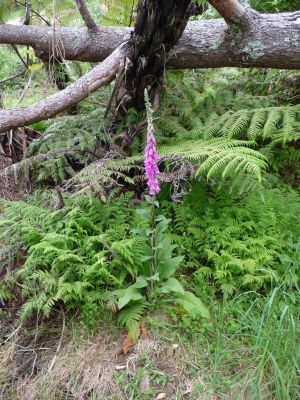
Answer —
144 214
162 226
146 258
169 266
149 199
140 283
172 285
130 294
192 305
154 278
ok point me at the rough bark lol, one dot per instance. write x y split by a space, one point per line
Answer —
273 41
237 17
73 94
74 43
158 26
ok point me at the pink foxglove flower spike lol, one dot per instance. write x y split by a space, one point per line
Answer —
151 154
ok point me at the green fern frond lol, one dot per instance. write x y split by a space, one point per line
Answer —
257 124
131 316
239 126
217 154
274 117
265 123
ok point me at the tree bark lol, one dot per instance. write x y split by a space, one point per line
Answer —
273 41
158 26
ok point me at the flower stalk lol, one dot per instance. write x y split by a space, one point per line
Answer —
151 154
151 171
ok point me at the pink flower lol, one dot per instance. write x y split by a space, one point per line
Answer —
151 159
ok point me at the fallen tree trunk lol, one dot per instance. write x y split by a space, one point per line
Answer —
273 41
73 94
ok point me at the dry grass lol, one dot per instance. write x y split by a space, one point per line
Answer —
57 361
52 363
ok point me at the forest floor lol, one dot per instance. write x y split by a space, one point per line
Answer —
58 360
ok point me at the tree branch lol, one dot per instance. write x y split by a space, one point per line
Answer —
86 16
274 43
27 13
88 83
14 47
232 11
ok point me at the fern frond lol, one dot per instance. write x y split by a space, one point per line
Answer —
257 124
238 127
131 316
217 154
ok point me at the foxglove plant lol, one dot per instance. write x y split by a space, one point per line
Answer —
157 267
151 154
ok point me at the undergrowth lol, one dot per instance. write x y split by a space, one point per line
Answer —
220 265
95 257
239 243
80 254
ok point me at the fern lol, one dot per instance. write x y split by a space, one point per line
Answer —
279 123
237 243
201 122
120 13
131 316
67 261
105 176
219 155
189 123
65 147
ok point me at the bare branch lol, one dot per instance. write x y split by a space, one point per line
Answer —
73 94
232 11
27 13
15 48
86 16
24 91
